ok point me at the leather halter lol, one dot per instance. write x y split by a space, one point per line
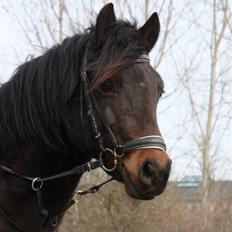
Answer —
116 151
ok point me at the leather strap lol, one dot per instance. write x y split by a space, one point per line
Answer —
152 141
75 171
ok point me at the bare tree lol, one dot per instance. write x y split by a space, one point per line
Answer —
44 22
211 107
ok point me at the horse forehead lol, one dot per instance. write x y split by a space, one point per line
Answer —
142 73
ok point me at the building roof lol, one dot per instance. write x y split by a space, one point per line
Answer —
190 181
189 188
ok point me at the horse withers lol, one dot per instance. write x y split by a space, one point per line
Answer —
94 96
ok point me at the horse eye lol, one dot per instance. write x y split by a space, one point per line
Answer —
107 87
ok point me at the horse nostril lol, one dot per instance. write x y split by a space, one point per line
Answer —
149 169
151 174
148 172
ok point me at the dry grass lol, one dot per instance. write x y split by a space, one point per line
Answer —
112 210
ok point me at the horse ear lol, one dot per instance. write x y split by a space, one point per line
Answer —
105 18
150 31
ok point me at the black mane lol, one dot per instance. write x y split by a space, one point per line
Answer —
33 103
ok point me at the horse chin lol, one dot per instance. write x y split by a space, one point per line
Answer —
132 189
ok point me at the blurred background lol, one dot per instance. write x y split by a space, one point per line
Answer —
194 57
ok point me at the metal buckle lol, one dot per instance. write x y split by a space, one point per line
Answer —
37 181
119 154
114 160
54 221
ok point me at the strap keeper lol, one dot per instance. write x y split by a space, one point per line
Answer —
43 213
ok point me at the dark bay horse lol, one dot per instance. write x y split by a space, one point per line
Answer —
86 103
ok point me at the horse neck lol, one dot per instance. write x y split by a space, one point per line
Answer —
20 202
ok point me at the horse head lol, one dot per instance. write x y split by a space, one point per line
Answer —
124 90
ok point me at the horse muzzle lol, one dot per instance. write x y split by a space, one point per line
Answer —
143 165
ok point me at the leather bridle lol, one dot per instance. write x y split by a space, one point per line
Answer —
115 151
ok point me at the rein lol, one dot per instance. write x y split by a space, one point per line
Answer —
115 151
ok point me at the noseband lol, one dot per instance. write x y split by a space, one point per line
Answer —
115 151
